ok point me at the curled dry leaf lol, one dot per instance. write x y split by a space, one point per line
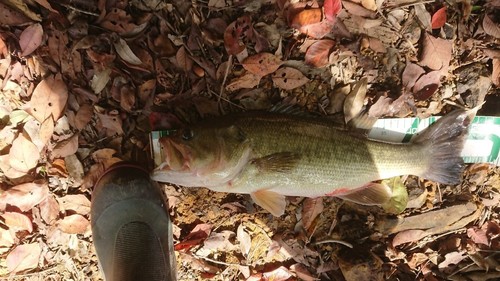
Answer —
17 221
355 100
439 18
100 80
23 155
288 78
125 53
78 203
24 257
73 224
30 39
311 208
49 209
24 196
183 59
490 27
318 53
49 98
262 64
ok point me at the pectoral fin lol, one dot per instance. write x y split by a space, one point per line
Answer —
277 162
273 202
369 194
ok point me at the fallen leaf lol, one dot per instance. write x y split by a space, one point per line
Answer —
17 221
111 122
49 209
125 53
311 208
411 74
199 233
302 272
73 224
247 81
244 239
7 238
288 78
318 53
369 4
23 257
100 80
30 39
490 27
355 100
83 116
219 241
262 64
234 34
49 98
495 75
197 264
66 147
427 85
436 53
183 59
40 134
317 30
24 196
478 235
452 258
306 17
279 274
78 203
407 236
331 9
423 16
439 18
11 17
23 155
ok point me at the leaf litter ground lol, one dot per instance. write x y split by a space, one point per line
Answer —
84 82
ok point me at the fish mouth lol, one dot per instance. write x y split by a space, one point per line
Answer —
176 156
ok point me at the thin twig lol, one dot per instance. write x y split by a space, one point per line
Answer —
347 244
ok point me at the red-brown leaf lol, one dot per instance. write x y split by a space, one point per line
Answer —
247 81
49 209
490 27
30 39
439 18
235 33
427 85
24 257
262 64
73 224
332 9
78 203
183 59
306 17
436 53
411 74
318 53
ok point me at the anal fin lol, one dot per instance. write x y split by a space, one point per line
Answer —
273 202
369 194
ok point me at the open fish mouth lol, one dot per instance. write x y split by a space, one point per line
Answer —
176 156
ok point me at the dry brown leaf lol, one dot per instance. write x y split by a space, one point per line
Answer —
78 203
311 208
288 78
73 224
478 235
49 209
40 134
302 272
318 53
490 27
197 264
23 155
11 17
235 33
17 221
452 258
244 239
262 64
100 80
49 98
407 236
436 53
495 75
127 98
24 196
279 274
219 241
83 116
183 59
427 85
7 238
66 147
111 122
24 257
125 52
358 10
355 100
306 17
369 4
247 81
30 39
411 74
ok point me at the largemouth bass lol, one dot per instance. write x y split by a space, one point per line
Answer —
272 155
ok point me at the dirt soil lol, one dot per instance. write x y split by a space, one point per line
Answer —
83 83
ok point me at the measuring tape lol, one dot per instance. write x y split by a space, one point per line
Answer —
482 144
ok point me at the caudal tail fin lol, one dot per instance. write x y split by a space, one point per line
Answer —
444 141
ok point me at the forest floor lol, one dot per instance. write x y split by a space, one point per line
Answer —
83 83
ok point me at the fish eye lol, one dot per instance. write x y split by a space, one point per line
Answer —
187 134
